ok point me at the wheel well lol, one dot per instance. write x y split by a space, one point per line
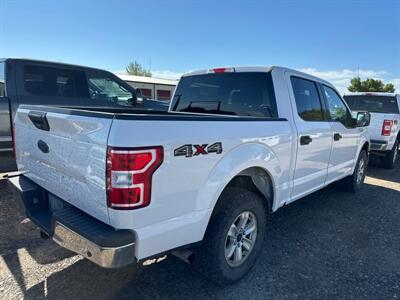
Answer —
256 180
365 147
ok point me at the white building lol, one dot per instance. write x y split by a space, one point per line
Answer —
151 88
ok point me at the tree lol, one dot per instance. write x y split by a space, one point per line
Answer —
135 68
370 85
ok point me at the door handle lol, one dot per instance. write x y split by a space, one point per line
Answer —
337 136
305 140
39 119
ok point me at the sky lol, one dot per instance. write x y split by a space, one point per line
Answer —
335 40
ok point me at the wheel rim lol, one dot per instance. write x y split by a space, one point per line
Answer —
241 238
360 172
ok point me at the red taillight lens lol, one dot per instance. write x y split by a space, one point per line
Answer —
129 175
221 70
387 127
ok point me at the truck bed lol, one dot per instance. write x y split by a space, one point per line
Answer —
73 164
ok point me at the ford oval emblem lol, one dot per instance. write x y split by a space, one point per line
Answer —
43 146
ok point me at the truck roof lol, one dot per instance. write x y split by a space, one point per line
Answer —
371 94
49 63
257 69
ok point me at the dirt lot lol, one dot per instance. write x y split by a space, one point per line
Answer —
329 245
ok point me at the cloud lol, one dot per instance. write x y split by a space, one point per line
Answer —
341 78
167 74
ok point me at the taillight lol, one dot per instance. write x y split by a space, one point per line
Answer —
387 127
129 175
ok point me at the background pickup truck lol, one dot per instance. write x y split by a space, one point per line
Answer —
24 81
384 129
199 180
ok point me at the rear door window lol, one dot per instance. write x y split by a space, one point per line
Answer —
55 82
307 99
371 103
236 94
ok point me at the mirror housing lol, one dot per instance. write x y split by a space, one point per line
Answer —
363 119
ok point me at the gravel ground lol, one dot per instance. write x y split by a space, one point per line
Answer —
331 244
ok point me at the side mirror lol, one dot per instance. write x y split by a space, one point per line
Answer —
363 119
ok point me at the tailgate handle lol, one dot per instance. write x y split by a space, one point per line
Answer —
39 119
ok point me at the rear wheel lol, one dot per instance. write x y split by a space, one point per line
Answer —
390 160
234 237
355 182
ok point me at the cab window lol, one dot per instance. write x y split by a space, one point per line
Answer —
232 93
337 109
54 82
105 88
307 99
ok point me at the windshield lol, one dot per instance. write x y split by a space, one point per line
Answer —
238 94
379 104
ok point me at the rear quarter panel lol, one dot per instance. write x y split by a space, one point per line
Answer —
182 184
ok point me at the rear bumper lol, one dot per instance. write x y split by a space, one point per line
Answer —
377 145
72 228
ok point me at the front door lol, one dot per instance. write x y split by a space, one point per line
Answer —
345 136
314 137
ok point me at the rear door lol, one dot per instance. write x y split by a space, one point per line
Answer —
345 136
65 152
314 136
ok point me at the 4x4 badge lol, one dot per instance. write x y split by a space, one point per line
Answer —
190 150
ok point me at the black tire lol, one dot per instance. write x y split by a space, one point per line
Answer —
210 259
391 158
354 183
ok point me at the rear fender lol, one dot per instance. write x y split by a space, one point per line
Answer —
233 163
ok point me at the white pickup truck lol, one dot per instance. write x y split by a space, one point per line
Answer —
384 129
198 180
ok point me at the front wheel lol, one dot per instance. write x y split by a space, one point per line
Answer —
355 182
234 237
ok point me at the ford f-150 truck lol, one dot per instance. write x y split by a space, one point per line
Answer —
199 180
384 129
27 81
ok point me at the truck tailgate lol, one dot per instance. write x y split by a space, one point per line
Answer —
67 157
375 127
